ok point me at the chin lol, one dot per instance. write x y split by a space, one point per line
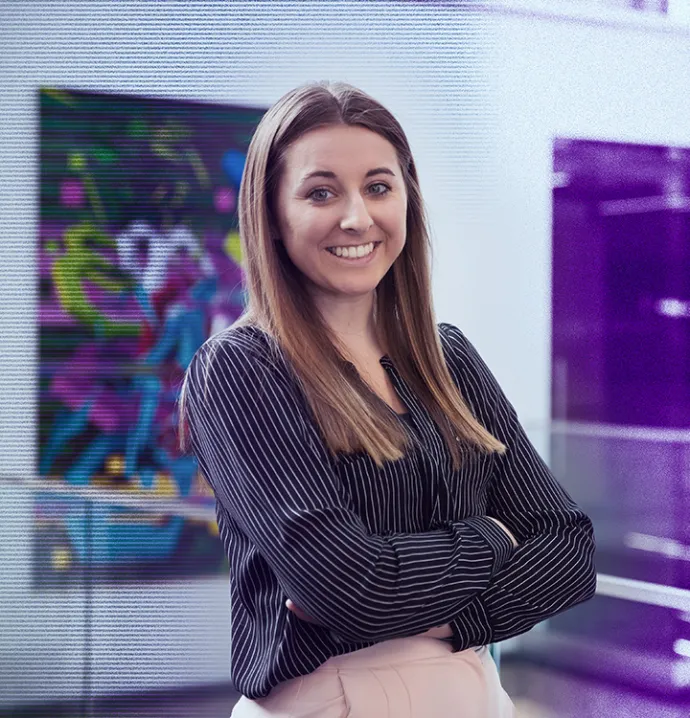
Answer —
351 290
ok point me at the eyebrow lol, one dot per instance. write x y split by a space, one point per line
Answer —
331 175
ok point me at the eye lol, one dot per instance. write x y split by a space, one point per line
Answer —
317 194
385 189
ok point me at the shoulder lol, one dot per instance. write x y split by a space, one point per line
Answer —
467 367
457 348
233 355
452 339
245 342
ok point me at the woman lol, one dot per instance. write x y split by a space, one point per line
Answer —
384 514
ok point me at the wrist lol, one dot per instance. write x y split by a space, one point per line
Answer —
499 541
506 529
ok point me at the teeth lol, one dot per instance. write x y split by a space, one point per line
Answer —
353 252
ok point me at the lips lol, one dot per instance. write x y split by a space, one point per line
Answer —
353 252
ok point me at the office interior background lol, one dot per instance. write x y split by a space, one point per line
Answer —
553 145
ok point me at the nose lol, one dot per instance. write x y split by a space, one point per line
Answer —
356 217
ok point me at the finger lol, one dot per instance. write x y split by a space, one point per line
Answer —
299 612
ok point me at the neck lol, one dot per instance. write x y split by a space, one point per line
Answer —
351 319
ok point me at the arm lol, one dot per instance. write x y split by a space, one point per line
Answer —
269 469
552 569
505 528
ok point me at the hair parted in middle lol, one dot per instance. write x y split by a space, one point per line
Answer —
350 416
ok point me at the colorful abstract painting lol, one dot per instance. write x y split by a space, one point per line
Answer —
139 262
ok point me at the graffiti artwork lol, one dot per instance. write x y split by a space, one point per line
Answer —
139 262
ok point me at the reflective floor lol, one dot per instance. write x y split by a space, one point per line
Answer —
546 693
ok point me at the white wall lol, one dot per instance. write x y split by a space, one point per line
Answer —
483 144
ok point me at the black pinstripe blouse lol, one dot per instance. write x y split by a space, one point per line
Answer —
374 554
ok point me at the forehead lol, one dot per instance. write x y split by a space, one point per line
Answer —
342 149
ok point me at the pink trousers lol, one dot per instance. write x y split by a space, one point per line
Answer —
416 677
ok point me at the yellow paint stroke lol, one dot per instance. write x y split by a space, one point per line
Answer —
60 559
60 96
77 162
199 168
233 246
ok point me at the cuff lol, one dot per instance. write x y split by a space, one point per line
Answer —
472 627
495 536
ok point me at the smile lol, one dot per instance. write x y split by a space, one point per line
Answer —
354 253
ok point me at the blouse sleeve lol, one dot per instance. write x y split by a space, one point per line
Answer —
553 568
271 472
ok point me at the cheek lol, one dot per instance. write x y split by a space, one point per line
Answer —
396 217
302 235
397 229
306 227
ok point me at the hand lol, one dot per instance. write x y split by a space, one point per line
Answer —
512 538
444 631
300 613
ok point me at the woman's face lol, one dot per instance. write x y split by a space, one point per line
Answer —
342 193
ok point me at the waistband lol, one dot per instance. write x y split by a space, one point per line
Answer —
401 650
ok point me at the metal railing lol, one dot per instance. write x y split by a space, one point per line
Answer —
613 586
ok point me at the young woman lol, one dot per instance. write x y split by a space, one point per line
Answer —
384 513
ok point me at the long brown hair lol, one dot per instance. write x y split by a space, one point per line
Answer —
348 413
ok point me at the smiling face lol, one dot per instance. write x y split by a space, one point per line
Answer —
341 208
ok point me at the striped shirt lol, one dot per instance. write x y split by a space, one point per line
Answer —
373 554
